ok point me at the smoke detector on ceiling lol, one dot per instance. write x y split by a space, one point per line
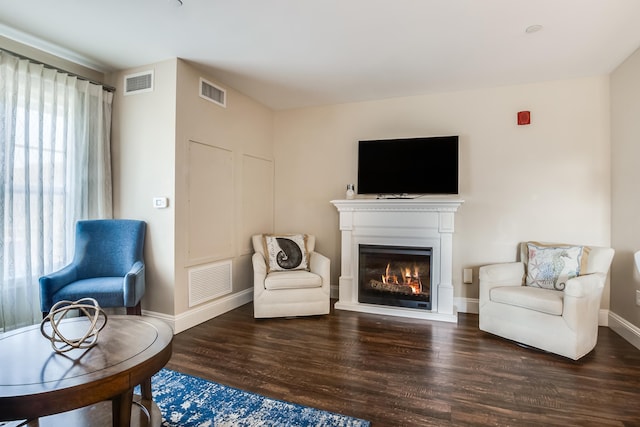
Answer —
533 28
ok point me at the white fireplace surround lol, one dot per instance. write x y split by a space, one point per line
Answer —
423 222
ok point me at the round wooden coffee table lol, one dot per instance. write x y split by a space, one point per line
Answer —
36 382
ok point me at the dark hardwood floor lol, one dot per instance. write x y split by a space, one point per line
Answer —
402 372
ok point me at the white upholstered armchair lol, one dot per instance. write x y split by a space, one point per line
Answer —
560 317
289 290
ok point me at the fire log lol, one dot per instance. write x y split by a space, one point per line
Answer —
390 287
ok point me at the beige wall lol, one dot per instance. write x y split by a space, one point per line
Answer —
143 162
547 181
220 227
625 224
159 141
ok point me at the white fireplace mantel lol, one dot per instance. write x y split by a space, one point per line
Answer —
423 222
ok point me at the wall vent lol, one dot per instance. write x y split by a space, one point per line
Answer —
213 93
209 281
138 82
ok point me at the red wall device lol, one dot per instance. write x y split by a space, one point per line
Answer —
524 117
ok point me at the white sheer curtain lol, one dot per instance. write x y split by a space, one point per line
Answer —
56 168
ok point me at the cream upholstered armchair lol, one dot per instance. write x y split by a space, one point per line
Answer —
549 300
289 277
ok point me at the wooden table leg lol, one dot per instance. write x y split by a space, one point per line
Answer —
145 388
121 409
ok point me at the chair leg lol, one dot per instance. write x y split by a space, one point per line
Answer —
135 311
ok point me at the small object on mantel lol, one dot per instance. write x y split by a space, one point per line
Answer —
350 192
88 307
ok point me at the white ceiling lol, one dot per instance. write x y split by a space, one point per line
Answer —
292 53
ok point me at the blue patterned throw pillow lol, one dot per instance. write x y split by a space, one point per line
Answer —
286 252
550 266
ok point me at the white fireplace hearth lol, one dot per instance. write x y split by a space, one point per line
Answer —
425 223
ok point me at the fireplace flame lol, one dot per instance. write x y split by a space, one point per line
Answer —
407 278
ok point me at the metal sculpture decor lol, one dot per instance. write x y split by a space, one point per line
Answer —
88 307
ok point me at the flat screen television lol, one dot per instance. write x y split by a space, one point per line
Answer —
408 166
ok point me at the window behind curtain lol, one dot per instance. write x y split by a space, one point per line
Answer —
56 168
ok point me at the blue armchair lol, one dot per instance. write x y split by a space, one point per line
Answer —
108 266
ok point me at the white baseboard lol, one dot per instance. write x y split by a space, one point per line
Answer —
466 305
625 329
204 312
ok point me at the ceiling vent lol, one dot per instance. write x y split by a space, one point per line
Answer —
138 82
213 93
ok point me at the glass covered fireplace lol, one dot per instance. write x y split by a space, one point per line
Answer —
395 276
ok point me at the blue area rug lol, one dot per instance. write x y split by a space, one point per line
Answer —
187 401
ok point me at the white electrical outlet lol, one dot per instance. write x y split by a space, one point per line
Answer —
467 276
637 298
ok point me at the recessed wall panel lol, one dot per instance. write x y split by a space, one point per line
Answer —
210 204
